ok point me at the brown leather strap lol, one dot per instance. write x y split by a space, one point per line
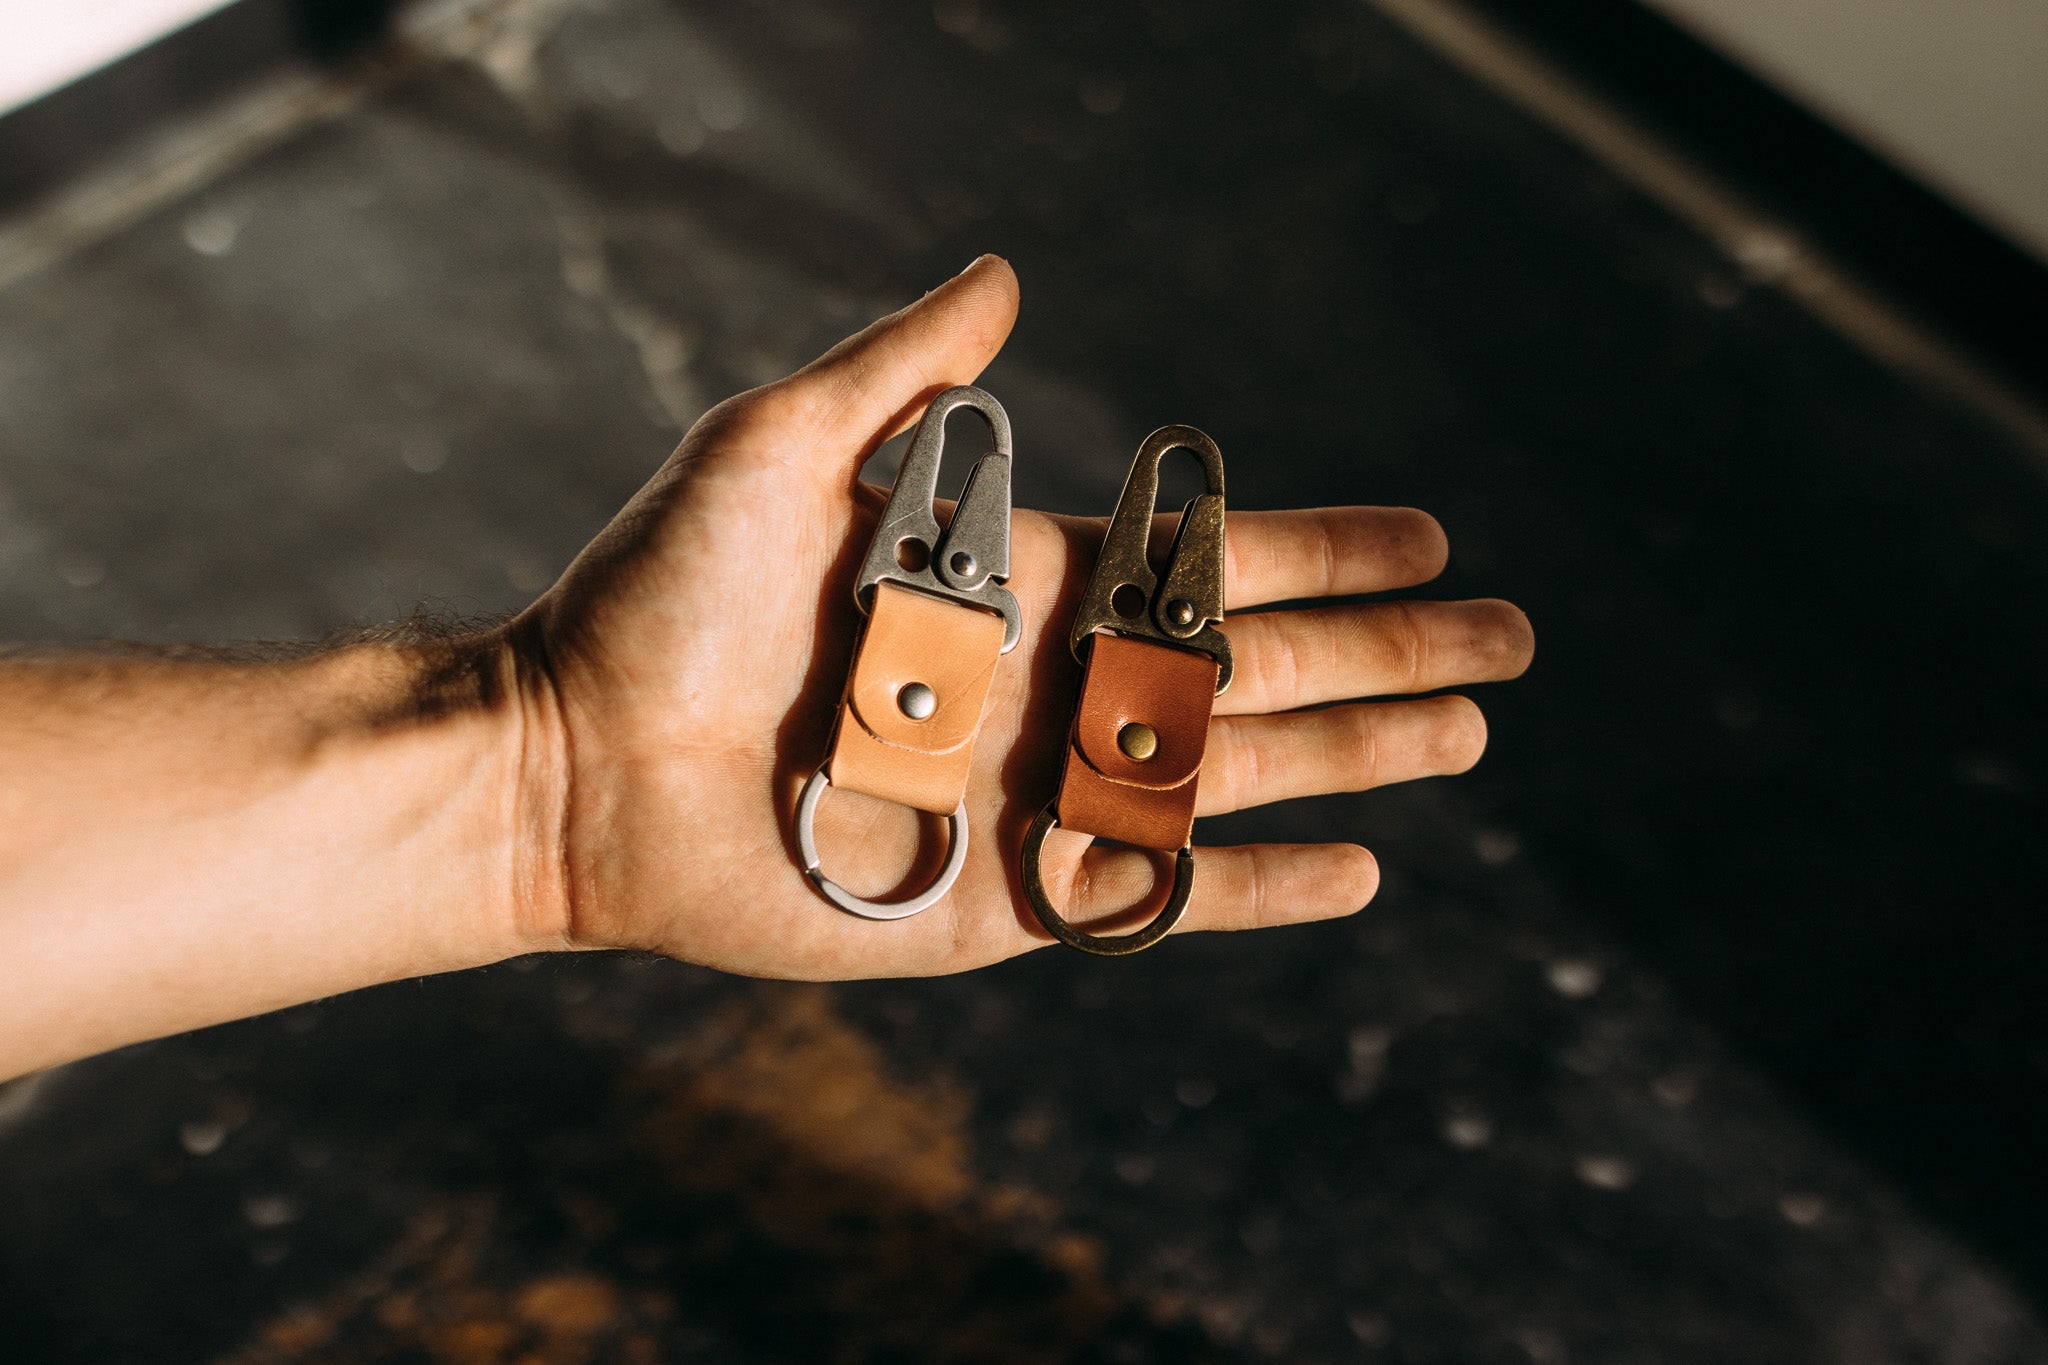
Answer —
1149 802
915 638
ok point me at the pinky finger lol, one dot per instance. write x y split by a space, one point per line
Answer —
1253 886
1258 886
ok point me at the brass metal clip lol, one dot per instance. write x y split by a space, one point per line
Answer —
1125 595
1181 610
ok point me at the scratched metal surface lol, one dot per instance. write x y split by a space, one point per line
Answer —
1696 1027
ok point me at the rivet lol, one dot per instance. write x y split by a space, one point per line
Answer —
964 564
1180 612
1138 740
917 701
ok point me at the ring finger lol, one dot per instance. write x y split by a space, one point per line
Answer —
1253 760
1286 659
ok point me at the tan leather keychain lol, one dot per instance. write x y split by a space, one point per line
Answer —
1152 664
938 619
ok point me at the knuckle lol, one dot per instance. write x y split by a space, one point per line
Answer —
1278 670
1328 555
1364 743
1229 774
1243 897
767 408
1409 644
1259 900
1245 768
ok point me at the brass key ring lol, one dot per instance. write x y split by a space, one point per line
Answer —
1153 663
938 618
1102 945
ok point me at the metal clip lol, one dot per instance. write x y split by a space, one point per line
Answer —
970 561
1123 593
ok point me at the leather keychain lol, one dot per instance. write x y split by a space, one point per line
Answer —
938 618
1152 663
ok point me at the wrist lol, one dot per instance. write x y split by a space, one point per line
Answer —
535 756
464 740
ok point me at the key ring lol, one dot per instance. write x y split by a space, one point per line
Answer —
1153 664
807 844
1102 945
937 620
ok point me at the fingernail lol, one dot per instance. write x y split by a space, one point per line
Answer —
973 263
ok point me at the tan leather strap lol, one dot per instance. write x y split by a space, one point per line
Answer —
915 638
1149 802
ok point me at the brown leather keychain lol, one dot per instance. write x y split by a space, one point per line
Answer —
1152 664
938 619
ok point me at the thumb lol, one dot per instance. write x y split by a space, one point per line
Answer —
873 384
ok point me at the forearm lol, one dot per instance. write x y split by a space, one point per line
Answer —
183 843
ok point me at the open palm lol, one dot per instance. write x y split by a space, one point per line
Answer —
686 669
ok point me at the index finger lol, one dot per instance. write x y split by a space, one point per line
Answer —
1326 552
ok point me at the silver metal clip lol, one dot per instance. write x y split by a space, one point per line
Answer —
970 560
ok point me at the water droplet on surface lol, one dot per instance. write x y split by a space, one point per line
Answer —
212 232
270 1210
1607 1172
1496 847
423 454
1676 1090
1803 1210
80 570
1366 1048
1573 978
1766 257
1369 1328
1135 1170
202 1139
1468 1132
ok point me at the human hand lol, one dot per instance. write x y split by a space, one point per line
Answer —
682 678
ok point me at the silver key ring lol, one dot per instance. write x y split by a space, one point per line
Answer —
807 844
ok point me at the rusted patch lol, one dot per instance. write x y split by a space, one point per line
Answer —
785 1066
774 1177
858 1185
430 1296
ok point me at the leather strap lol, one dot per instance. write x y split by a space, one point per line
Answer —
915 638
1148 802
